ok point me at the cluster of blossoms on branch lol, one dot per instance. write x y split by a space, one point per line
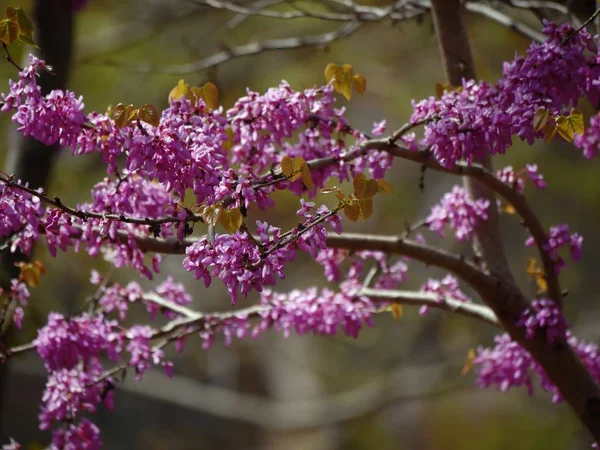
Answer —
232 160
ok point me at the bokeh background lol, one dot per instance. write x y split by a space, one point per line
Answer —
399 385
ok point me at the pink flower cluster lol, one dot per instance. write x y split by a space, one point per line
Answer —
19 293
517 179
475 118
389 274
448 287
560 237
509 365
458 210
544 315
321 313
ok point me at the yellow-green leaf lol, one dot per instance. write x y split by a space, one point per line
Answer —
124 115
30 273
330 190
568 126
397 311
532 267
292 167
229 142
231 219
352 211
330 71
440 89
178 91
193 94
287 166
147 113
27 40
359 83
364 188
540 118
344 76
542 284
469 363
360 184
366 208
509 209
21 17
9 31
550 130
211 214
210 95
383 187
307 177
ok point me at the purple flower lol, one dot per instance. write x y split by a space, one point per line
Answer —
559 237
448 287
82 436
543 314
72 391
142 354
62 343
379 128
460 212
509 365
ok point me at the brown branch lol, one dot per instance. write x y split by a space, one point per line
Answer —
558 360
84 215
10 59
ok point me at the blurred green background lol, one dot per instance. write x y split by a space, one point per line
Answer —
399 385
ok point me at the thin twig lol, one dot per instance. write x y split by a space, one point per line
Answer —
583 25
505 20
243 50
10 59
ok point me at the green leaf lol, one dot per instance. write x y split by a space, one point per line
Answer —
124 115
231 219
147 113
540 119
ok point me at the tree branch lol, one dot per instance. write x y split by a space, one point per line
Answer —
241 51
479 312
505 20
558 360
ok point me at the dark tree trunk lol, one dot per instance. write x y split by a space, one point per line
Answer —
28 159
